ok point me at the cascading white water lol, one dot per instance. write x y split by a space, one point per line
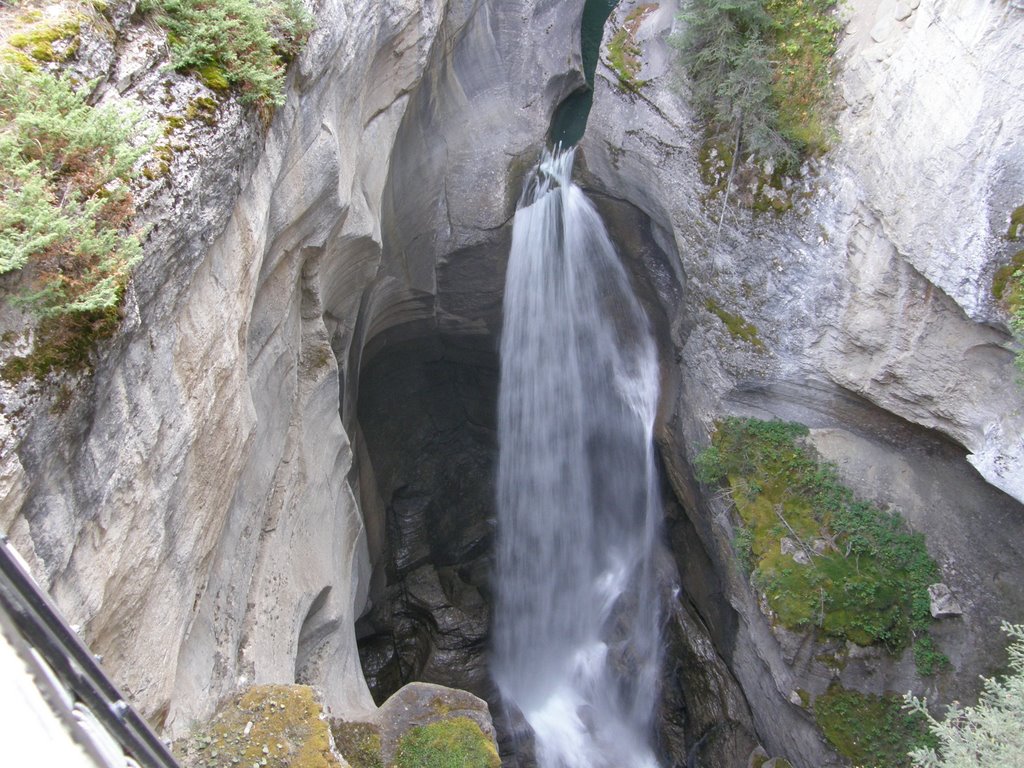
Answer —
576 625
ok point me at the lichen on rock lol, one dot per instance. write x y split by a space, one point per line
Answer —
267 726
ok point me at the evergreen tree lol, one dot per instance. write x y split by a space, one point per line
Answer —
988 735
727 50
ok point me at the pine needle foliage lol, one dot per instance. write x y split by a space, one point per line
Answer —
235 43
64 200
987 735
759 73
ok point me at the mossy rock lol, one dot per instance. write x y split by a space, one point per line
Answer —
358 743
1016 224
738 328
214 77
756 185
276 726
1004 287
823 559
45 40
624 50
430 726
870 729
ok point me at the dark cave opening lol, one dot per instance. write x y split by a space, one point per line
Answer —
427 422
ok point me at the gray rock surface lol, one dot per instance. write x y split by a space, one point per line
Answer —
943 603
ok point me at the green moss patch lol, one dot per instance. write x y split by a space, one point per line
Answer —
1004 286
41 39
1008 289
454 743
1016 224
358 743
738 327
624 50
823 558
871 730
277 726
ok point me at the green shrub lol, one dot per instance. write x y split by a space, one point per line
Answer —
864 577
454 743
64 202
870 730
243 43
743 543
65 210
988 735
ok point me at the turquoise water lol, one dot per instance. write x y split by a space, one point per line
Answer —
570 118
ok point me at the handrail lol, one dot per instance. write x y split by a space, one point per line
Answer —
41 624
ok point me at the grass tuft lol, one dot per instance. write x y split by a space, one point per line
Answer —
454 743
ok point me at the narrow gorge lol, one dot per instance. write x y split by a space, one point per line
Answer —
780 432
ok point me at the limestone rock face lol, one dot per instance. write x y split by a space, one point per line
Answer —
931 128
197 506
877 283
191 510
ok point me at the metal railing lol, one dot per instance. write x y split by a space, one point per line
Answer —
96 700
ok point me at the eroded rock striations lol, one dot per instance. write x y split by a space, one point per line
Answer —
294 427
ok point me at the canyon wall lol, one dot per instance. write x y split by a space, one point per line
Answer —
869 316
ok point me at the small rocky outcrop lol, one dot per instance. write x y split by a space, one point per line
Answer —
422 724
267 726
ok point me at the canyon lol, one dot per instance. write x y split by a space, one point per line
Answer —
282 467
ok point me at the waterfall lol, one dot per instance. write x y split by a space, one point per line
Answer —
576 645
